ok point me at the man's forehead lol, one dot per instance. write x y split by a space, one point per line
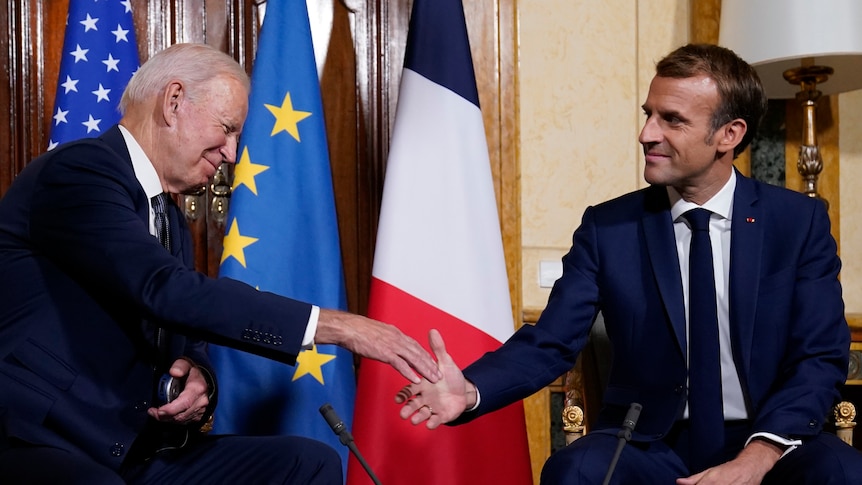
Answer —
229 97
682 90
700 81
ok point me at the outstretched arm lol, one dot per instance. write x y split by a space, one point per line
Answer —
378 341
439 402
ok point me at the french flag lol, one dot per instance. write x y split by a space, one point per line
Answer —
438 264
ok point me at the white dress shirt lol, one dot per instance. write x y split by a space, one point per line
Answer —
721 206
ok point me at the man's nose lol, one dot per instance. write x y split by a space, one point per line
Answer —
650 133
228 151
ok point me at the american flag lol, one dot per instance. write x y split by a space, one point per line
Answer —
99 57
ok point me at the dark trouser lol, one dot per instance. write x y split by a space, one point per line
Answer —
210 460
820 461
39 465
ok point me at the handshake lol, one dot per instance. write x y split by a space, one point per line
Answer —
442 401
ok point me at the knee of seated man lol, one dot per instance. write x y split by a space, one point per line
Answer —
329 456
580 462
327 462
39 464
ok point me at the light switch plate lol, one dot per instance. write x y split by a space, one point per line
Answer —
549 272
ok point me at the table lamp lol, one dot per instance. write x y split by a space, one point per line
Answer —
800 49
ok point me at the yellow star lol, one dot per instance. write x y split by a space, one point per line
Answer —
310 362
245 171
234 243
286 118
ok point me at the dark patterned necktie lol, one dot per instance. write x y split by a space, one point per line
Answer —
706 414
162 226
163 234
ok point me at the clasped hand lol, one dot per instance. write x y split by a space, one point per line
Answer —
442 401
191 404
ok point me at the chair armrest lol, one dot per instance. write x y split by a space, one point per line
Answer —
573 423
845 413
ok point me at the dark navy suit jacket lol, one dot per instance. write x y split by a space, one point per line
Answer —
83 285
790 340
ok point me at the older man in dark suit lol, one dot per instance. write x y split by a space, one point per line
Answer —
94 310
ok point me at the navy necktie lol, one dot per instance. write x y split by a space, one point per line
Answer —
706 414
162 226
163 234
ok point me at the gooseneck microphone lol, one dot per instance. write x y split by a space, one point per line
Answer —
624 435
340 429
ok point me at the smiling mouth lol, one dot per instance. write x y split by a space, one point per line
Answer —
653 151
215 166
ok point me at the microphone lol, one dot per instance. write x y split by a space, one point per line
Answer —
340 429
625 434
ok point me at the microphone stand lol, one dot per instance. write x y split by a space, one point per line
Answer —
624 435
340 429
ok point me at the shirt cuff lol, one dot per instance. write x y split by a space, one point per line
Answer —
478 400
789 445
311 327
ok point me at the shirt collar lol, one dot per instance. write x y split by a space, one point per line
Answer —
144 170
720 203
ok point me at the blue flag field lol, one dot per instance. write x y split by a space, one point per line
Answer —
282 237
99 57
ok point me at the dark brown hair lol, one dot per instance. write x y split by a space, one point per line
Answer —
740 92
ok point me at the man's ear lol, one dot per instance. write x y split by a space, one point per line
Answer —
731 134
174 94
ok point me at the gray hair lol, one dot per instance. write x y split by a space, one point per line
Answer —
193 64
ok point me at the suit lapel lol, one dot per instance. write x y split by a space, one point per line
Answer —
661 246
745 250
179 248
114 139
745 256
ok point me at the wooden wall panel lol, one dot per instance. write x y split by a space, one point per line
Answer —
31 54
357 172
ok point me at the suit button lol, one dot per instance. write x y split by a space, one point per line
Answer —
117 449
812 423
142 406
678 389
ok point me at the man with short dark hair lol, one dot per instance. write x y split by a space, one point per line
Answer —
720 297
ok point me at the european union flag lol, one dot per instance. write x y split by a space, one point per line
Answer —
282 237
99 57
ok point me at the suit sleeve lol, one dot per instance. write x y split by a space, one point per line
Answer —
537 354
86 219
817 339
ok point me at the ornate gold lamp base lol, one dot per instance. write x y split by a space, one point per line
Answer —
810 163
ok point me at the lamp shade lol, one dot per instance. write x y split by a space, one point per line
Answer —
776 35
